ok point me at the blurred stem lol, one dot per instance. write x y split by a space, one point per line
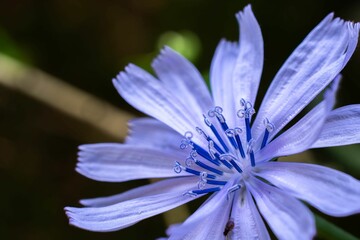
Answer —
64 97
328 230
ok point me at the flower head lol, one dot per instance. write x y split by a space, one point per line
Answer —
216 143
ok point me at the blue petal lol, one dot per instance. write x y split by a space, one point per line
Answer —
342 127
113 162
247 219
236 68
304 133
164 186
152 97
287 217
127 213
331 191
183 80
309 69
151 133
208 222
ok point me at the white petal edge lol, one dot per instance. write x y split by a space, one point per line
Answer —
309 69
342 127
287 217
331 191
127 213
113 162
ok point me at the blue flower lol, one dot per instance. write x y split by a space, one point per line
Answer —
212 142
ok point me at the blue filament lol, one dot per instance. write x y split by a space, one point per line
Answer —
226 163
248 129
241 149
222 153
236 166
204 154
206 190
211 169
225 127
215 182
217 135
197 173
264 141
252 159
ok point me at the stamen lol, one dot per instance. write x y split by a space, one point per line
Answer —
211 169
238 131
187 141
189 161
231 159
192 171
230 133
220 152
202 191
251 152
216 133
178 169
216 155
215 182
217 112
202 182
248 129
247 112
204 154
201 132
269 127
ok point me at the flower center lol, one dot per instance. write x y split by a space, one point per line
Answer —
224 154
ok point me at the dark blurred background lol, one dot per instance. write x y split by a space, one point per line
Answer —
85 44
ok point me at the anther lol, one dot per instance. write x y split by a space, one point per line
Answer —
177 167
187 141
215 182
202 191
189 161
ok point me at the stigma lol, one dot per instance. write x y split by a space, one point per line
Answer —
230 149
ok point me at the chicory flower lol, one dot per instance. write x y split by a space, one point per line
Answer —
206 142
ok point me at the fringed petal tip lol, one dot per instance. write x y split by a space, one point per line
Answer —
130 69
69 211
160 57
76 221
247 10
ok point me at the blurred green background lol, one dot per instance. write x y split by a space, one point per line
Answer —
86 43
